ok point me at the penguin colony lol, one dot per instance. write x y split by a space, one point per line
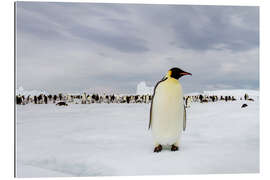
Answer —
96 98
82 99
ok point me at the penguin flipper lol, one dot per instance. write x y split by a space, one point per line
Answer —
185 119
150 119
151 107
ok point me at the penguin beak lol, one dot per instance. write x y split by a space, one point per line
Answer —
185 73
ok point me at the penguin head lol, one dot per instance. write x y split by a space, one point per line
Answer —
176 73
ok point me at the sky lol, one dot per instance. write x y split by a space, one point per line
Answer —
110 48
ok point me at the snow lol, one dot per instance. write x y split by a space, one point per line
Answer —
143 89
112 139
40 172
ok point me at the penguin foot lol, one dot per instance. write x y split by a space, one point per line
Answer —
174 148
158 148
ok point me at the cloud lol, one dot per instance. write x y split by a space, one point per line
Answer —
121 42
84 46
44 20
217 27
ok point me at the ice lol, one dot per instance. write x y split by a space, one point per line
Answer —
112 139
142 89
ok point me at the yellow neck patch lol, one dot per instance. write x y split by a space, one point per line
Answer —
169 73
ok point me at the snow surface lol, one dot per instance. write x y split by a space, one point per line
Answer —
112 139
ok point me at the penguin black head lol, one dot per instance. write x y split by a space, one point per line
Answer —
176 73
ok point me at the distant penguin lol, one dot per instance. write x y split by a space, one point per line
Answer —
201 98
35 99
61 103
246 96
50 97
69 99
244 105
45 99
167 112
19 99
222 98
54 98
60 96
250 99
188 101
128 99
112 98
84 98
89 99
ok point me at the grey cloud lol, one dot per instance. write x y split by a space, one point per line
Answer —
76 46
121 42
50 20
217 30
208 27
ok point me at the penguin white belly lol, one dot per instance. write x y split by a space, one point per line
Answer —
167 112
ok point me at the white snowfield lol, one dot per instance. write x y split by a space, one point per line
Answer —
113 139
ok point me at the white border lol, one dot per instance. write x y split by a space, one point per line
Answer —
188 2
7 87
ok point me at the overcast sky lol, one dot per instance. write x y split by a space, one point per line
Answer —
64 47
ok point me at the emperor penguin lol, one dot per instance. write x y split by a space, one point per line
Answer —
167 112
84 98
